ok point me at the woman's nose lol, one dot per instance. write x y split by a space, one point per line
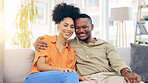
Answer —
69 28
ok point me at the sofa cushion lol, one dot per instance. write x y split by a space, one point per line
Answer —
139 60
125 54
1 61
18 63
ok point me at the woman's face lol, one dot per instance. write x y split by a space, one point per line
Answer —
66 27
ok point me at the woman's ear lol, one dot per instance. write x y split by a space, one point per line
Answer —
58 26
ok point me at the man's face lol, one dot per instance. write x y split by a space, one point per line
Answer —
83 28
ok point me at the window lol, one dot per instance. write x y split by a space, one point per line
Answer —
93 8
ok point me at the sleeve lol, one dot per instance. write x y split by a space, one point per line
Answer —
116 62
74 62
43 53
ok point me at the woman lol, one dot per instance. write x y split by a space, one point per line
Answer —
59 57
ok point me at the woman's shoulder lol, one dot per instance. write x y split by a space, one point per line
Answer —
49 38
71 49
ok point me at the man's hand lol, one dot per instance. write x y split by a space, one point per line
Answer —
66 70
132 78
84 79
40 45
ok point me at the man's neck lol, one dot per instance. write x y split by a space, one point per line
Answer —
90 40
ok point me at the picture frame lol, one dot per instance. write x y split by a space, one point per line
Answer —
41 17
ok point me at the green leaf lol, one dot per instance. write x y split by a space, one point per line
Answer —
24 16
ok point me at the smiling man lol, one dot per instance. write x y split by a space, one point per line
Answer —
96 58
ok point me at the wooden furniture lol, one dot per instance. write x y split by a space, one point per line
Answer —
139 19
121 34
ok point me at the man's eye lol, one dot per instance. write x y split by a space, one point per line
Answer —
84 26
76 27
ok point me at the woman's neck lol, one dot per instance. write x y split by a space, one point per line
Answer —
61 40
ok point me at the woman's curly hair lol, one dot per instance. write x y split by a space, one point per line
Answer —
64 10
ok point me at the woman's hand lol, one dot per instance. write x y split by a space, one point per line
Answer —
84 79
66 70
39 44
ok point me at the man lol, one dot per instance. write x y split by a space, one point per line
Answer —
96 59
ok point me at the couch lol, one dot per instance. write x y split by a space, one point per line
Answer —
18 62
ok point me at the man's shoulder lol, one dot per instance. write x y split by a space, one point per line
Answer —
72 41
101 41
104 43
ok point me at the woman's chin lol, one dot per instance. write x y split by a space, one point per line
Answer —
66 37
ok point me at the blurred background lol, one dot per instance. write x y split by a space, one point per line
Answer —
23 21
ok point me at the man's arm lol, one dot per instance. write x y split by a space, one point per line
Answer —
120 66
39 44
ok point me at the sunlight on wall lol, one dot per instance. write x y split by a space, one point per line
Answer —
1 25
11 8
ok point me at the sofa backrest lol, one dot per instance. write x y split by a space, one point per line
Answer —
17 64
125 54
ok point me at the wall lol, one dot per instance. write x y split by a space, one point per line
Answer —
1 39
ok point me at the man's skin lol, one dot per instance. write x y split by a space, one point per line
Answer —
83 28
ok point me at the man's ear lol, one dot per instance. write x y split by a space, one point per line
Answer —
92 27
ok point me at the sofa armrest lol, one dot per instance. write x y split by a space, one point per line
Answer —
17 64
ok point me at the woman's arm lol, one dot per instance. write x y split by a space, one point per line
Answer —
42 66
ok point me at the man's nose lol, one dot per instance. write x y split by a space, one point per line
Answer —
81 30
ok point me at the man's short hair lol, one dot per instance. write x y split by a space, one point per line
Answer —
84 16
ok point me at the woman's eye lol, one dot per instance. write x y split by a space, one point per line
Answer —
65 25
72 27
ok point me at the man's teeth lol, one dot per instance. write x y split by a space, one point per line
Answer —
82 34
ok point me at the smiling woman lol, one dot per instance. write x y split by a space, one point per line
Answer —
52 64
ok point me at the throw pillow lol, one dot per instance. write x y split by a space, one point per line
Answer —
139 60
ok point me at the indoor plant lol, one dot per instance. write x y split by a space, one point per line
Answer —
24 20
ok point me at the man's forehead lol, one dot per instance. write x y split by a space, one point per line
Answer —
82 19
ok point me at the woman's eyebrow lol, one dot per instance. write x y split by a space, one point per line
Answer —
68 24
